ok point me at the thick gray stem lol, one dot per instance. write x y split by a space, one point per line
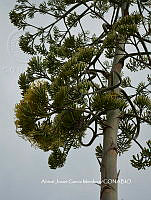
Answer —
109 187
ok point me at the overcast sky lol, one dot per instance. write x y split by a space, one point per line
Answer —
22 168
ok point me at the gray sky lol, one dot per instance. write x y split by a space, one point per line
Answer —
23 167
